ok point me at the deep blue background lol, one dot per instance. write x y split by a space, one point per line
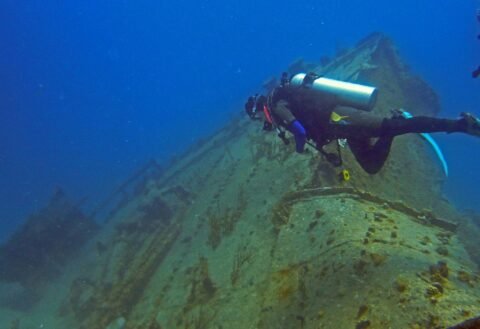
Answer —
90 90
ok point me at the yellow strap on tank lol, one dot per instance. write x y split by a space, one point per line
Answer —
335 117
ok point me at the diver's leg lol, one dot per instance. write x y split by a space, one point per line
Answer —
353 123
421 124
371 157
359 127
357 123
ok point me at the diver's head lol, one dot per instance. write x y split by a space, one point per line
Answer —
284 80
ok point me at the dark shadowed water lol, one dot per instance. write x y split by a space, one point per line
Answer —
91 90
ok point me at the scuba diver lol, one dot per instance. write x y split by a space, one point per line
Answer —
322 110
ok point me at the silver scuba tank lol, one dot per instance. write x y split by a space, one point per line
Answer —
345 93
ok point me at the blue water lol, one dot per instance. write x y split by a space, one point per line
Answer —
90 90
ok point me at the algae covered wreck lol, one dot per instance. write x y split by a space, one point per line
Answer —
241 233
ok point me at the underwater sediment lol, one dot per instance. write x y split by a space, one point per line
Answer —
240 232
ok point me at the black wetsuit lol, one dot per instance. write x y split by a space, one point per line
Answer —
357 126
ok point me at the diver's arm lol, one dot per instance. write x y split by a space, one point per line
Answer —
282 111
297 129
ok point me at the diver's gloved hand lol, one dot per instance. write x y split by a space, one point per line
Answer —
472 124
297 129
267 126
